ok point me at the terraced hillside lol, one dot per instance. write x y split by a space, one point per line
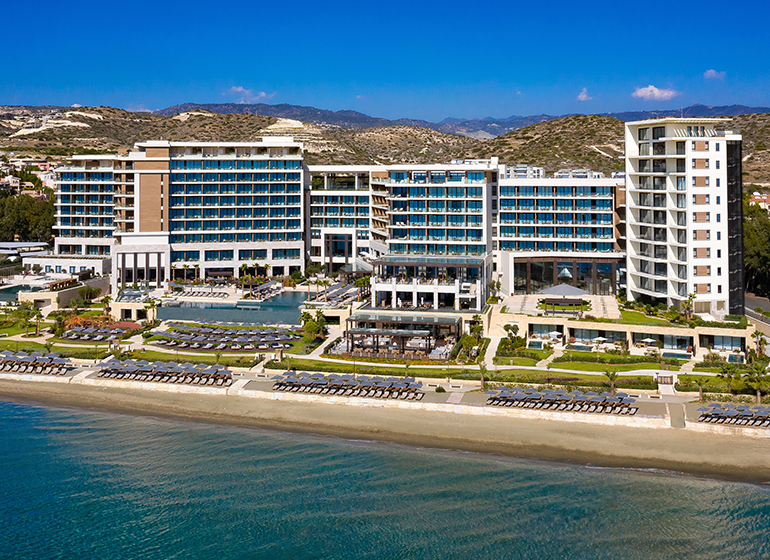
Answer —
580 141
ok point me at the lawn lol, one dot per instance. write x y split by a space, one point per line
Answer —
602 367
364 368
571 380
515 361
238 360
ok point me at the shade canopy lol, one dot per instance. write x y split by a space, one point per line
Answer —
563 290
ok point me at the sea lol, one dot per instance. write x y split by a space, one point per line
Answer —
88 484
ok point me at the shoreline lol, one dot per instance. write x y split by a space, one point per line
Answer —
675 450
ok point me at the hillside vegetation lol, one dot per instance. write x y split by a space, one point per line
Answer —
579 141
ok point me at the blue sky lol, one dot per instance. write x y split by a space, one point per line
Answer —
427 60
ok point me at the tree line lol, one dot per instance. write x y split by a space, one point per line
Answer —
756 248
30 219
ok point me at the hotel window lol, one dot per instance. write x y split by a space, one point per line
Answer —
719 271
716 146
717 182
719 235
717 164
644 133
719 217
719 253
658 132
719 288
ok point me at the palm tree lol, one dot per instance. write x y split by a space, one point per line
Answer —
38 317
197 269
267 270
151 306
325 284
482 372
186 267
106 304
701 383
760 342
612 377
729 374
756 379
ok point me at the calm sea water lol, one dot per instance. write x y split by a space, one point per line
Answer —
284 308
79 484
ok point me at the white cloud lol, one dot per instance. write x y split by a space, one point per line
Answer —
714 75
360 97
247 95
651 93
76 105
583 95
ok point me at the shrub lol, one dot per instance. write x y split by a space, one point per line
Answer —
440 389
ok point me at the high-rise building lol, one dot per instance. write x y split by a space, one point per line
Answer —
204 209
685 214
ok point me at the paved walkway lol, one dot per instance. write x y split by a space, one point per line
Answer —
545 362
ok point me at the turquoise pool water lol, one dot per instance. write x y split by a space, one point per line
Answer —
9 294
283 308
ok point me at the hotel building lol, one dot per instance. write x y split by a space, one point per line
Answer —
685 214
435 234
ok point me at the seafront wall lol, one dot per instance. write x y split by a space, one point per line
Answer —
238 389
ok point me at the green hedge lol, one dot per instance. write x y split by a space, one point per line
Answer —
603 359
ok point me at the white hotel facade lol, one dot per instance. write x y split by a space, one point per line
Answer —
685 214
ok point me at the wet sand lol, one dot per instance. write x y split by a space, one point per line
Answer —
719 456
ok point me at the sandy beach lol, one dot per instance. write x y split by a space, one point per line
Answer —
712 455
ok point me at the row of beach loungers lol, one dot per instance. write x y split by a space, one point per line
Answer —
167 372
740 415
37 362
561 400
220 295
92 334
221 346
348 386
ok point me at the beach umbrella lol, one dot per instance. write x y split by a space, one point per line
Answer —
621 395
401 386
575 393
628 401
703 409
554 334
596 399
392 380
605 394
383 384
491 392
530 390
590 394
600 339
58 361
579 398
415 385
351 383
560 392
375 379
648 340
565 397
613 400
367 384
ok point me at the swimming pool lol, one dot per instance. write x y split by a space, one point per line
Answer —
283 308
9 293
677 355
535 345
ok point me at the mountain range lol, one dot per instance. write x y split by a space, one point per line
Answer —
482 129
